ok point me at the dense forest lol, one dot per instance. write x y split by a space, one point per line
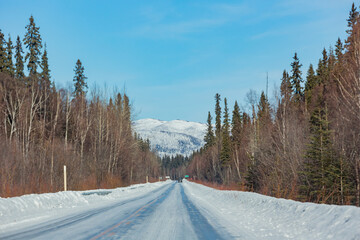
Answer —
174 166
43 128
306 146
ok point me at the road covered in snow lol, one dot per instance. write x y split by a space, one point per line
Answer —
171 210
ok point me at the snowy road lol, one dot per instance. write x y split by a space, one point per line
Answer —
165 213
171 210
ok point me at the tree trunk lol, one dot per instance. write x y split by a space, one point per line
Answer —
237 163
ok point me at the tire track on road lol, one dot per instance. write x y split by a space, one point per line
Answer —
58 224
136 217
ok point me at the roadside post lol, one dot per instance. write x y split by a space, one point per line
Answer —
65 185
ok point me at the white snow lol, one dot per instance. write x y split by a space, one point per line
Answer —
233 214
171 137
254 216
39 207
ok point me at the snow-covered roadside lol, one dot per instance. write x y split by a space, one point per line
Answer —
27 209
253 216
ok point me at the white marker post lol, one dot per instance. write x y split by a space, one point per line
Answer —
147 179
65 188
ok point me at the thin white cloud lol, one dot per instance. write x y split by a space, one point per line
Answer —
158 24
177 29
231 9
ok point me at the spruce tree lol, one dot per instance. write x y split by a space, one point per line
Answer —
45 74
322 71
236 125
3 56
19 63
353 17
127 112
32 41
331 62
217 117
264 111
321 167
311 82
9 65
296 79
225 154
79 80
339 49
209 137
285 87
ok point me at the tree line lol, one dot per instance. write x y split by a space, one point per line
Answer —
174 166
306 146
43 128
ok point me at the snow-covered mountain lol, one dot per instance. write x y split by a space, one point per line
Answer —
171 137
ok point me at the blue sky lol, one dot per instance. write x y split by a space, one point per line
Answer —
173 56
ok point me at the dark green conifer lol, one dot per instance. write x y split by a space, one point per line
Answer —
19 62
236 125
311 82
339 49
9 65
322 71
285 87
296 79
45 74
209 137
321 166
225 154
3 56
127 112
264 111
32 41
331 61
353 17
217 117
80 84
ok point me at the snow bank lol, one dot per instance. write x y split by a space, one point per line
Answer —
254 216
32 207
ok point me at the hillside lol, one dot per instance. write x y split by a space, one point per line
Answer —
171 137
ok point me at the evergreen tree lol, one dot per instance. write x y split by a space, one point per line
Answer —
32 42
9 65
127 112
217 117
323 68
79 80
339 49
311 82
209 137
331 62
45 74
296 79
19 63
236 125
285 87
264 117
320 169
225 154
353 18
3 56
253 176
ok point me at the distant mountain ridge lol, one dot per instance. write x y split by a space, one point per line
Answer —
171 137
